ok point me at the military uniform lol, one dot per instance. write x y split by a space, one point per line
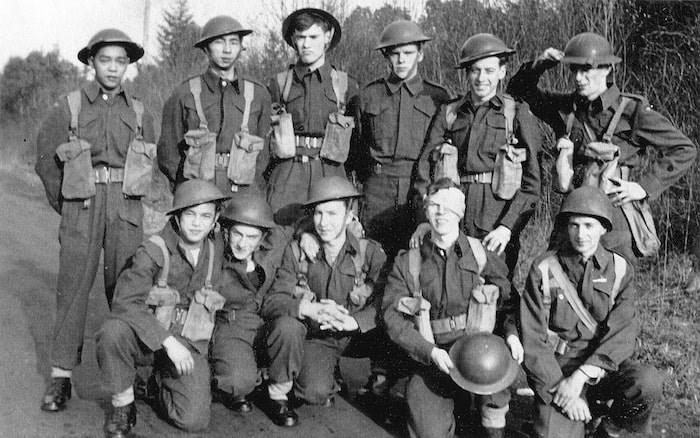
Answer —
239 332
299 350
634 388
393 118
133 337
223 104
109 220
478 133
639 128
447 278
311 99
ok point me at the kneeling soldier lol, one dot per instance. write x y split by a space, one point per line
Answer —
455 287
163 315
318 309
579 326
251 258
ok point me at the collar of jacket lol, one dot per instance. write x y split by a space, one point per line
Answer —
413 85
610 98
94 89
212 80
323 73
496 102
460 249
351 246
600 258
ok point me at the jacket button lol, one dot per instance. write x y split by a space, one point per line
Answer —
561 296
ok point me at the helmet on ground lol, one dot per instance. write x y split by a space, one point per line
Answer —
480 46
588 201
194 192
331 188
248 210
482 363
107 37
401 32
288 28
220 26
589 48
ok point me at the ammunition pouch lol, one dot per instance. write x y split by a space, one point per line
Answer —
360 294
138 167
445 157
200 156
641 222
283 142
162 300
481 316
201 315
602 166
508 172
78 176
336 139
244 155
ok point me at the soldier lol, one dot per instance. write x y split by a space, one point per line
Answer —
251 258
311 133
579 324
154 319
393 117
604 132
95 156
497 141
214 124
460 289
322 309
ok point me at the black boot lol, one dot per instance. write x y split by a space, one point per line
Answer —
239 404
121 420
495 432
56 395
282 414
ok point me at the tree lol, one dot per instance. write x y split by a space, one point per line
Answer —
176 39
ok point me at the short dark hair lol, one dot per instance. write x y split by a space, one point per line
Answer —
442 184
305 20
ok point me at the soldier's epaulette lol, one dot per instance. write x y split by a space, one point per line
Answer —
378 81
249 78
436 85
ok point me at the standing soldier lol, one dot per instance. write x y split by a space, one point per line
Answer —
456 288
95 157
214 124
322 309
602 134
163 315
311 131
578 324
497 143
394 114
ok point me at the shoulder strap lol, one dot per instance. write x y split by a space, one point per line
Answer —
210 267
300 259
620 271
196 90
284 83
414 266
163 277
74 104
615 119
509 113
248 96
569 123
478 251
358 259
569 291
138 110
339 79
546 292
451 113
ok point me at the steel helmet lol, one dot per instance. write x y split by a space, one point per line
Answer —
482 363
194 192
111 37
331 188
589 48
248 210
220 26
401 32
588 201
288 31
482 45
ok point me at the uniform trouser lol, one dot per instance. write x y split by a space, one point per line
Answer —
386 213
431 402
109 221
233 353
633 389
309 361
186 400
289 184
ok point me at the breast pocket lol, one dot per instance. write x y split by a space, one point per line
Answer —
495 135
423 114
562 316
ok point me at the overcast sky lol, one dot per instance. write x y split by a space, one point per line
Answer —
68 24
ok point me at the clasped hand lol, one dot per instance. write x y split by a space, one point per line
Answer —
329 315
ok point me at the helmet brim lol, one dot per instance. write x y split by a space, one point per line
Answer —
592 61
287 32
178 208
483 389
466 62
381 46
204 41
133 50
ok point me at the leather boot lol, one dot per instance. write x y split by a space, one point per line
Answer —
121 420
495 432
57 394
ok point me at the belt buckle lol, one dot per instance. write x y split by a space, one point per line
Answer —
377 168
304 158
453 323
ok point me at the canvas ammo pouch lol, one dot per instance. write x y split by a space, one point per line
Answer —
446 155
283 142
201 154
246 147
301 288
140 157
78 175
641 222
603 165
508 169
361 290
201 314
162 299
481 315
336 138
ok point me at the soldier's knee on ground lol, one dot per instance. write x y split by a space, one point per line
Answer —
191 417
